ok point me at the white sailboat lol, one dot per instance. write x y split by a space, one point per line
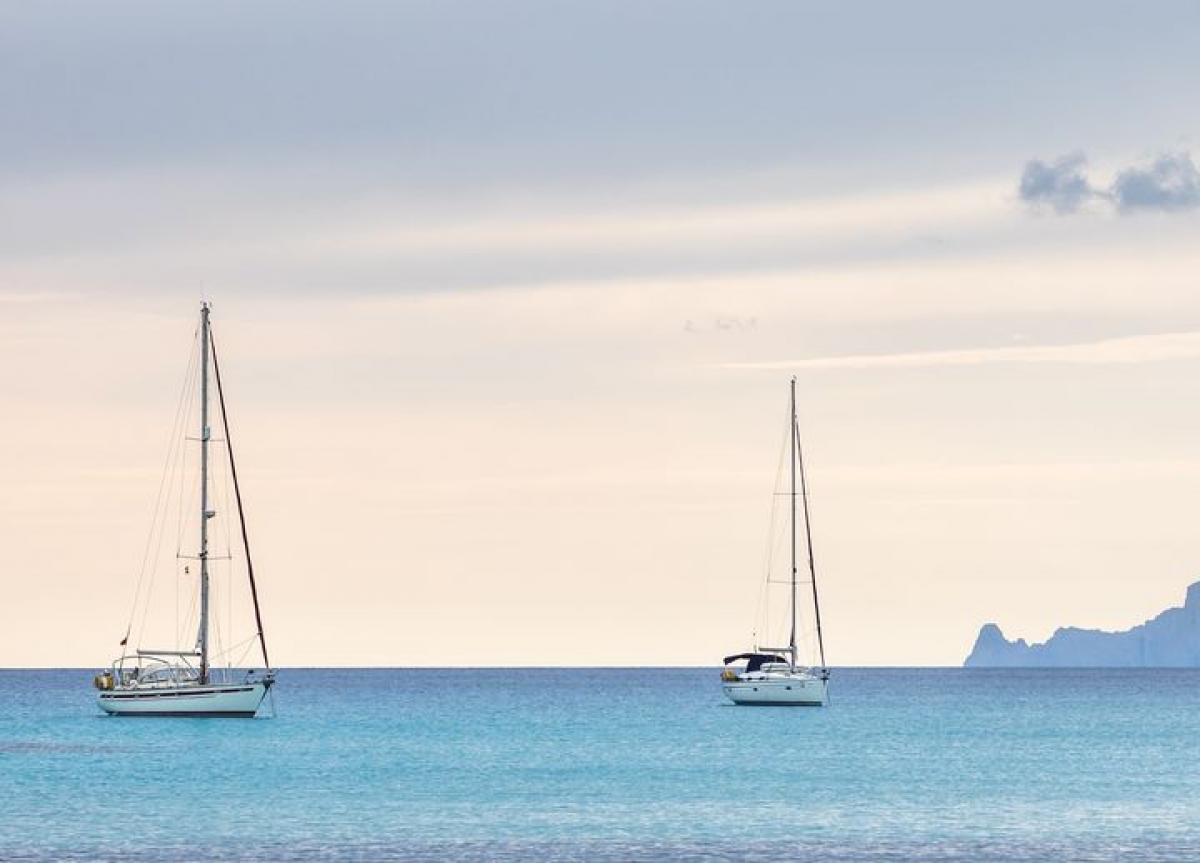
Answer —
187 682
774 675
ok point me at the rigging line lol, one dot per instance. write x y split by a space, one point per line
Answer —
177 481
182 523
216 623
812 566
175 454
193 493
237 491
776 536
158 498
179 536
247 643
762 610
185 493
226 567
238 644
187 620
245 653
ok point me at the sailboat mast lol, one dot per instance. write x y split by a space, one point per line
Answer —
205 434
812 566
795 429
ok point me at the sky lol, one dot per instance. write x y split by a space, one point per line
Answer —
508 295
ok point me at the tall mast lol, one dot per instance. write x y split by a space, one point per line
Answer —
205 434
795 434
812 566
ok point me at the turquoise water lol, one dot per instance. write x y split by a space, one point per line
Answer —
614 764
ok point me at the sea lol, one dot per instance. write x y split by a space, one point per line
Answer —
622 764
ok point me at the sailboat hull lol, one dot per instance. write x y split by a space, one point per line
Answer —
232 700
782 691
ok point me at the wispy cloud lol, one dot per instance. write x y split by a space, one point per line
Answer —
63 235
1121 351
1171 183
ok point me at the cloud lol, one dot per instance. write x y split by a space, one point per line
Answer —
1121 351
1171 183
1060 184
723 324
123 234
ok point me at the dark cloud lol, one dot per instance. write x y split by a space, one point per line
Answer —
1060 184
1171 183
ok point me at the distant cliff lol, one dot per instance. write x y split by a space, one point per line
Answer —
1172 639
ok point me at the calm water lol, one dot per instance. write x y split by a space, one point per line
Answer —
614 764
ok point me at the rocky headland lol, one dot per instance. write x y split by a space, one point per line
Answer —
1170 639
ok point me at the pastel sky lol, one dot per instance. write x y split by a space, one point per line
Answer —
508 295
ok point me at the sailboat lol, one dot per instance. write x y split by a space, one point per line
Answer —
186 681
774 675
